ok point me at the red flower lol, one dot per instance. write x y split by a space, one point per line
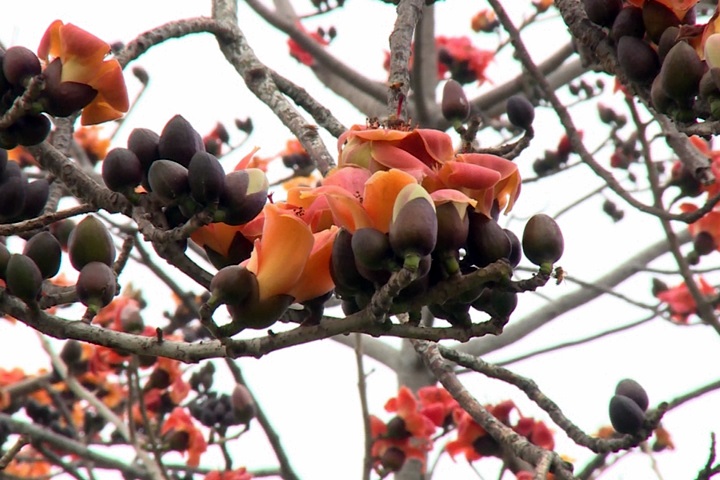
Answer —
680 301
407 435
437 404
182 435
302 56
83 61
239 474
472 439
465 62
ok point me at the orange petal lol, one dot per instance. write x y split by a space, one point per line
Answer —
456 174
50 42
217 236
80 44
243 164
280 255
379 197
347 212
315 279
391 156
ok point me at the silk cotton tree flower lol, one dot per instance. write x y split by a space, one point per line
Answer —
484 177
289 263
418 151
78 76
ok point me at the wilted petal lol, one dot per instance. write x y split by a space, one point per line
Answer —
279 257
315 279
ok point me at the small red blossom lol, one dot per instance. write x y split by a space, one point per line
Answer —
239 474
681 303
437 404
301 55
182 435
405 436
465 62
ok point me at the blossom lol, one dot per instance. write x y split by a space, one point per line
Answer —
182 435
681 303
82 56
289 259
465 62
472 439
484 21
300 54
90 140
374 208
708 223
405 436
484 177
239 474
679 7
416 151
437 404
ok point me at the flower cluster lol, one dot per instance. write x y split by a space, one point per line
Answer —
386 180
458 58
410 433
71 74
680 301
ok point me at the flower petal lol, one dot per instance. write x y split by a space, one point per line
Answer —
315 279
381 189
280 255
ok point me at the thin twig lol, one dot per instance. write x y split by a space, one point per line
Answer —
362 391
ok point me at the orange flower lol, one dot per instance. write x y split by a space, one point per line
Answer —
315 279
374 208
483 177
89 139
182 435
484 21
83 61
417 151
279 257
681 303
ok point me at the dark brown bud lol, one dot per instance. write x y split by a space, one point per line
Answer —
602 12
122 170
96 285
179 141
168 180
23 278
206 177
19 64
542 240
520 111
625 415
637 59
634 391
44 249
454 105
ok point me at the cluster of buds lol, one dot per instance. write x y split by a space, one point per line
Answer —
19 198
176 169
659 45
628 406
